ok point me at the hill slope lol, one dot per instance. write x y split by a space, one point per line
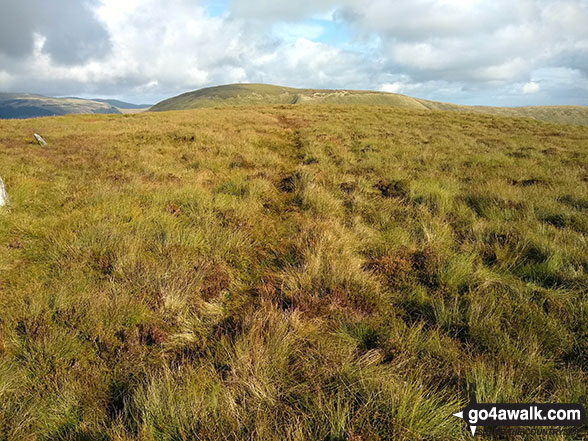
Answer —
265 94
288 273
29 106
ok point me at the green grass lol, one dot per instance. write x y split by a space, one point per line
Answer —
288 272
266 94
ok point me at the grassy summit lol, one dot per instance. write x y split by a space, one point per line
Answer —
265 94
288 272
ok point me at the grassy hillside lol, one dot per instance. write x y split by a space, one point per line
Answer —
265 94
288 273
31 106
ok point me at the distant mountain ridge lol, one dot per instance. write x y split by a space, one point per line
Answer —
266 94
15 105
122 104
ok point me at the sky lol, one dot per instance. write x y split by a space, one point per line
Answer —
486 52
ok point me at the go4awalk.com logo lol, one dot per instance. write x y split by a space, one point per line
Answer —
521 414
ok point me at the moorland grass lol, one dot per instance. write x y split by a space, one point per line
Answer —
304 273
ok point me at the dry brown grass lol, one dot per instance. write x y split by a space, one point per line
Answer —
328 272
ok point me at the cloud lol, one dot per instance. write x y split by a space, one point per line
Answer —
531 87
395 87
158 50
478 40
280 9
415 20
480 51
292 32
71 31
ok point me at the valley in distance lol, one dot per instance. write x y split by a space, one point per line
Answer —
258 262
19 106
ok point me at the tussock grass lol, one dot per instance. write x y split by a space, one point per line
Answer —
319 272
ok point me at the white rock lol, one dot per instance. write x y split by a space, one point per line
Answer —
3 195
40 140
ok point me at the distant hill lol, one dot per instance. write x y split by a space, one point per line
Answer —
265 94
29 106
122 104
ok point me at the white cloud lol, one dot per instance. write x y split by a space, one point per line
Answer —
160 49
5 80
473 41
531 87
476 50
395 87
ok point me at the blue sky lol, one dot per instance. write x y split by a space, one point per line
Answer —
499 52
216 8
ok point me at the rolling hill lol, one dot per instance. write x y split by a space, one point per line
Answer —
265 94
30 106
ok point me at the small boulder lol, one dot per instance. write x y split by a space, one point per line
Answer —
39 140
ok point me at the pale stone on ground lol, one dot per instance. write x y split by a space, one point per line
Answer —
3 195
40 140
